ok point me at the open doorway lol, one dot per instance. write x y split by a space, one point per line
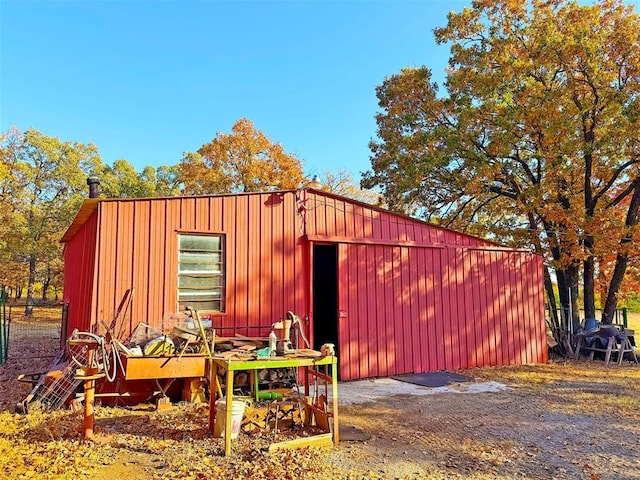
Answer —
325 295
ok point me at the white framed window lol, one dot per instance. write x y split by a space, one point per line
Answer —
201 272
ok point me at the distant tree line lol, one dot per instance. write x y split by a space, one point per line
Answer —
43 182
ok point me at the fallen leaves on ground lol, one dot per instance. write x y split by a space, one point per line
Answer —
554 421
174 445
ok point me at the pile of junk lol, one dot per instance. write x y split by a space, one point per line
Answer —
594 338
162 365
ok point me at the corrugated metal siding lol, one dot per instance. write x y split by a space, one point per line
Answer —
79 269
415 297
412 296
437 308
332 217
263 271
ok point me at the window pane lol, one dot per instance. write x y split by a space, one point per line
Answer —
187 295
200 242
200 270
197 282
206 305
205 262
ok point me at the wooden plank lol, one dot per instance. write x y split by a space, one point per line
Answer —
322 441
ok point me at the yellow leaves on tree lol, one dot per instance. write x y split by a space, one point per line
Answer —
534 141
242 161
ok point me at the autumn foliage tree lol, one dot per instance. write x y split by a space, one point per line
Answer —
122 180
43 184
534 140
341 182
243 161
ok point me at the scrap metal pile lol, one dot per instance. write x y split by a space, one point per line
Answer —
91 353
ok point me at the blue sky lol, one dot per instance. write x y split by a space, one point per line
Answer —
147 80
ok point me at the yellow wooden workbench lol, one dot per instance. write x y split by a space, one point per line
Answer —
309 365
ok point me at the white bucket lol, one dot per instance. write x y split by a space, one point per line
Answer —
237 412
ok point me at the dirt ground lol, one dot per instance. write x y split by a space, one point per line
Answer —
562 420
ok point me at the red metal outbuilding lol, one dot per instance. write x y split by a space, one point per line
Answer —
395 294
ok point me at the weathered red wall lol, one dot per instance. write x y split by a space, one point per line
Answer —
137 247
79 279
413 297
406 309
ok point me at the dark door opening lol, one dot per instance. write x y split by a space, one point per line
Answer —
325 295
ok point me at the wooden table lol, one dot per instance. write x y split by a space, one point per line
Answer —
231 365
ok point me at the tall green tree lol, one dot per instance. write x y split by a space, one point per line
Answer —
41 193
534 140
121 180
245 160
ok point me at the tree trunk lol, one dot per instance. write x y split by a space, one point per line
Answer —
45 285
567 281
28 310
589 272
553 304
554 320
568 293
622 258
609 310
588 265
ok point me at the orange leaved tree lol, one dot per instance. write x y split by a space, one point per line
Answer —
242 161
533 140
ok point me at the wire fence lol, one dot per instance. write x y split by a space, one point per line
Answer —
35 336
4 327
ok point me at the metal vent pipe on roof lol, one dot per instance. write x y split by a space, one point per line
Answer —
93 183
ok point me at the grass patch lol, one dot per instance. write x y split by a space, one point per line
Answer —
633 321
